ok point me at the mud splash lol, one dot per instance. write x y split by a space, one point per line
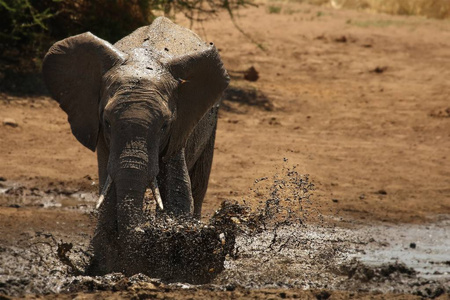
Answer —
185 250
283 242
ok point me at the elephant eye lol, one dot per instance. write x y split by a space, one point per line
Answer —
107 125
165 126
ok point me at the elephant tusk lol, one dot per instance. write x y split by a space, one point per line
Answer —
156 193
104 192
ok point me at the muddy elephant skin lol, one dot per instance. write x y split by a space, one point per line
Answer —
148 106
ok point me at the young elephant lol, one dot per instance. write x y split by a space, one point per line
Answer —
148 105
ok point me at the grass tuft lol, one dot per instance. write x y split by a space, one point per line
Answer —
274 9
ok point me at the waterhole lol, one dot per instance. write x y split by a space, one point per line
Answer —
283 242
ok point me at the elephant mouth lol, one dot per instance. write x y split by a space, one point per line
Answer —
153 186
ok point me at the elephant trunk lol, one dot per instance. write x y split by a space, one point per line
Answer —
132 166
130 189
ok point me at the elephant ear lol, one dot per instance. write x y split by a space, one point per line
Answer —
73 69
201 81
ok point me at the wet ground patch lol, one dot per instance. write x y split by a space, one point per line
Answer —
80 195
283 242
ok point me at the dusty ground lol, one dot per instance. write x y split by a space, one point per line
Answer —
359 101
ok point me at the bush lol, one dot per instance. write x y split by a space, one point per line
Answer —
30 27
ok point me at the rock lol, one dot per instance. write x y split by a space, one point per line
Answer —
10 122
342 39
379 69
382 192
441 113
323 295
251 74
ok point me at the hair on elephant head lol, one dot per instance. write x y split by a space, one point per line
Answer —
148 106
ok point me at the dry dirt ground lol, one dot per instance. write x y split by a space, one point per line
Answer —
360 101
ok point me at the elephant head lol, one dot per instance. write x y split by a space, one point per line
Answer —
141 98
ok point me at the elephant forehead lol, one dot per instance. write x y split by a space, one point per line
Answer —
147 111
140 64
133 92
130 109
134 81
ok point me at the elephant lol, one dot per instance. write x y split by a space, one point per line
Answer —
148 106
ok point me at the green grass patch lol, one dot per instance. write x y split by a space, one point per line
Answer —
274 9
291 11
375 23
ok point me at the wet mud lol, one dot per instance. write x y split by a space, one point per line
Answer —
281 243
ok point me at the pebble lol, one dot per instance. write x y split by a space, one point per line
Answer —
382 192
10 122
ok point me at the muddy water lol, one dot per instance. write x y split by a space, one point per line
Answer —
275 245
425 248
14 194
297 257
359 259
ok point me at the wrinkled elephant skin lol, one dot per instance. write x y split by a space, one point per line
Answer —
148 106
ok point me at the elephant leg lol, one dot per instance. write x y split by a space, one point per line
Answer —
175 186
104 242
199 175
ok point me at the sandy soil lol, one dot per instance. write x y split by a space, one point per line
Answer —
359 101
